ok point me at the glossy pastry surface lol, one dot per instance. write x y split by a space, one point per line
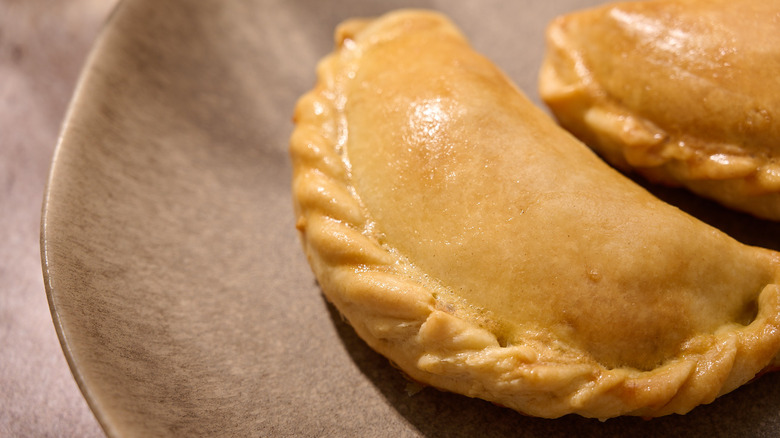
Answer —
486 251
686 92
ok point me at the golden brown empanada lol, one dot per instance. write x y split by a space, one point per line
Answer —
486 251
686 92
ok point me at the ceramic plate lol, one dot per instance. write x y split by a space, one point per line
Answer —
177 285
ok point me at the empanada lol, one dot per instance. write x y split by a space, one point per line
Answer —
486 251
686 92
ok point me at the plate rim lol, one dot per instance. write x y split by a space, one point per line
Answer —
99 46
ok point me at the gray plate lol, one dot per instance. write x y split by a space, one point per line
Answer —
178 289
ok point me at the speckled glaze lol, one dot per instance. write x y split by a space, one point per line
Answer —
174 274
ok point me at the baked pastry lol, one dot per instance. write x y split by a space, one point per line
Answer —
685 92
485 251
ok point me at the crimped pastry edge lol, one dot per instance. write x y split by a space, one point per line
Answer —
403 315
631 142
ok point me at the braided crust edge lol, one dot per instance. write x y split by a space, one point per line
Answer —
725 173
406 316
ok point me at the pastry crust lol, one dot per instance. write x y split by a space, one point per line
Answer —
685 92
485 251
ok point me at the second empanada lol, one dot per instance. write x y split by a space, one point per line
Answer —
685 92
485 251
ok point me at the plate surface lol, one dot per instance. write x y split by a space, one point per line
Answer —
175 278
